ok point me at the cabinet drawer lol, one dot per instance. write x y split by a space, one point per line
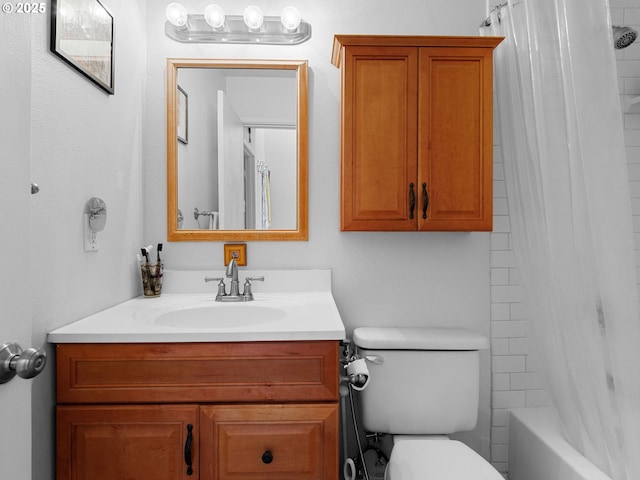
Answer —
197 372
263 442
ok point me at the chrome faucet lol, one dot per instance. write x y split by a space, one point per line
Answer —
232 273
234 292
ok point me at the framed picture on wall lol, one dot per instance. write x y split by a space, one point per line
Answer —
82 36
183 116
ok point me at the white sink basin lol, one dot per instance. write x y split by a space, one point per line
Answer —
178 316
221 316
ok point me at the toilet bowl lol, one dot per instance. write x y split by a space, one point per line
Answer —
423 386
417 457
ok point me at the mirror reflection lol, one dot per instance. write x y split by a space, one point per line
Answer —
236 143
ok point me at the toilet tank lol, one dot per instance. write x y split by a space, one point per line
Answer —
422 381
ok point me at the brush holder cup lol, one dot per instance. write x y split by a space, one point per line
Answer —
151 278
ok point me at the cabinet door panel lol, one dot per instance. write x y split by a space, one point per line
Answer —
455 140
379 138
275 442
125 442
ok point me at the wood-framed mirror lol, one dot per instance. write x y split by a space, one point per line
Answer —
237 150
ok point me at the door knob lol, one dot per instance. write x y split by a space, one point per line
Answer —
14 361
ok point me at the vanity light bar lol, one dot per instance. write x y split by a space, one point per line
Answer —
252 27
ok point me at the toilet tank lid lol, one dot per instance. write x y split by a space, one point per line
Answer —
417 338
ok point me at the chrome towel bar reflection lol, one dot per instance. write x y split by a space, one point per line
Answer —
197 213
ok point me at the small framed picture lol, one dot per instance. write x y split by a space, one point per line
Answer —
183 116
82 35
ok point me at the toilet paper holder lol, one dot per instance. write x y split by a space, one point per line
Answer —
358 373
24 363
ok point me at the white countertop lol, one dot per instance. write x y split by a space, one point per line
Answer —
196 317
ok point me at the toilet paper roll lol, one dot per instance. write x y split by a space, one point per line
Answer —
358 374
349 469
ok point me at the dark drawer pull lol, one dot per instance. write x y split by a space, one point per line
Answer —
425 200
267 457
187 449
412 200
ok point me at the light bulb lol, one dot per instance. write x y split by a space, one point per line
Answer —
176 14
290 18
253 18
214 16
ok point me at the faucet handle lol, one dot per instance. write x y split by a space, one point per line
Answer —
221 287
213 279
247 293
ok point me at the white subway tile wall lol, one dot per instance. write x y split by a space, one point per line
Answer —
514 381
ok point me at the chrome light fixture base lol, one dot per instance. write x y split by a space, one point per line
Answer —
197 30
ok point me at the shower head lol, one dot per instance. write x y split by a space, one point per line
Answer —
623 36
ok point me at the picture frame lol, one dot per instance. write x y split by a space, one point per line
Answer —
183 116
82 35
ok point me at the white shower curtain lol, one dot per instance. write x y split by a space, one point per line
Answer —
571 225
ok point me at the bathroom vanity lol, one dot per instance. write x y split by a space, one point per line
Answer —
245 391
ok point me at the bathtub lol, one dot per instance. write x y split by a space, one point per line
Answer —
538 451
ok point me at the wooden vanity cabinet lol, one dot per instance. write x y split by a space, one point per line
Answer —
233 411
416 132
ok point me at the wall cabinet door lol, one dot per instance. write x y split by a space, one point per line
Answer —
455 168
142 442
269 442
416 142
379 138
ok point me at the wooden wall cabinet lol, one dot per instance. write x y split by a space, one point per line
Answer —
210 411
416 132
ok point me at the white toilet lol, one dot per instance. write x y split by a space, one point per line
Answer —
423 385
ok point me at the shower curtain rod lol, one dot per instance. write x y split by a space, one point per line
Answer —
487 21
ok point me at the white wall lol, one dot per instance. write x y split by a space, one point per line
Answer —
379 279
198 159
84 143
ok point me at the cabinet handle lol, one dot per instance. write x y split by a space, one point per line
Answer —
267 457
412 200
187 449
425 200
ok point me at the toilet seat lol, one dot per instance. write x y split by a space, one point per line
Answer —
420 458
